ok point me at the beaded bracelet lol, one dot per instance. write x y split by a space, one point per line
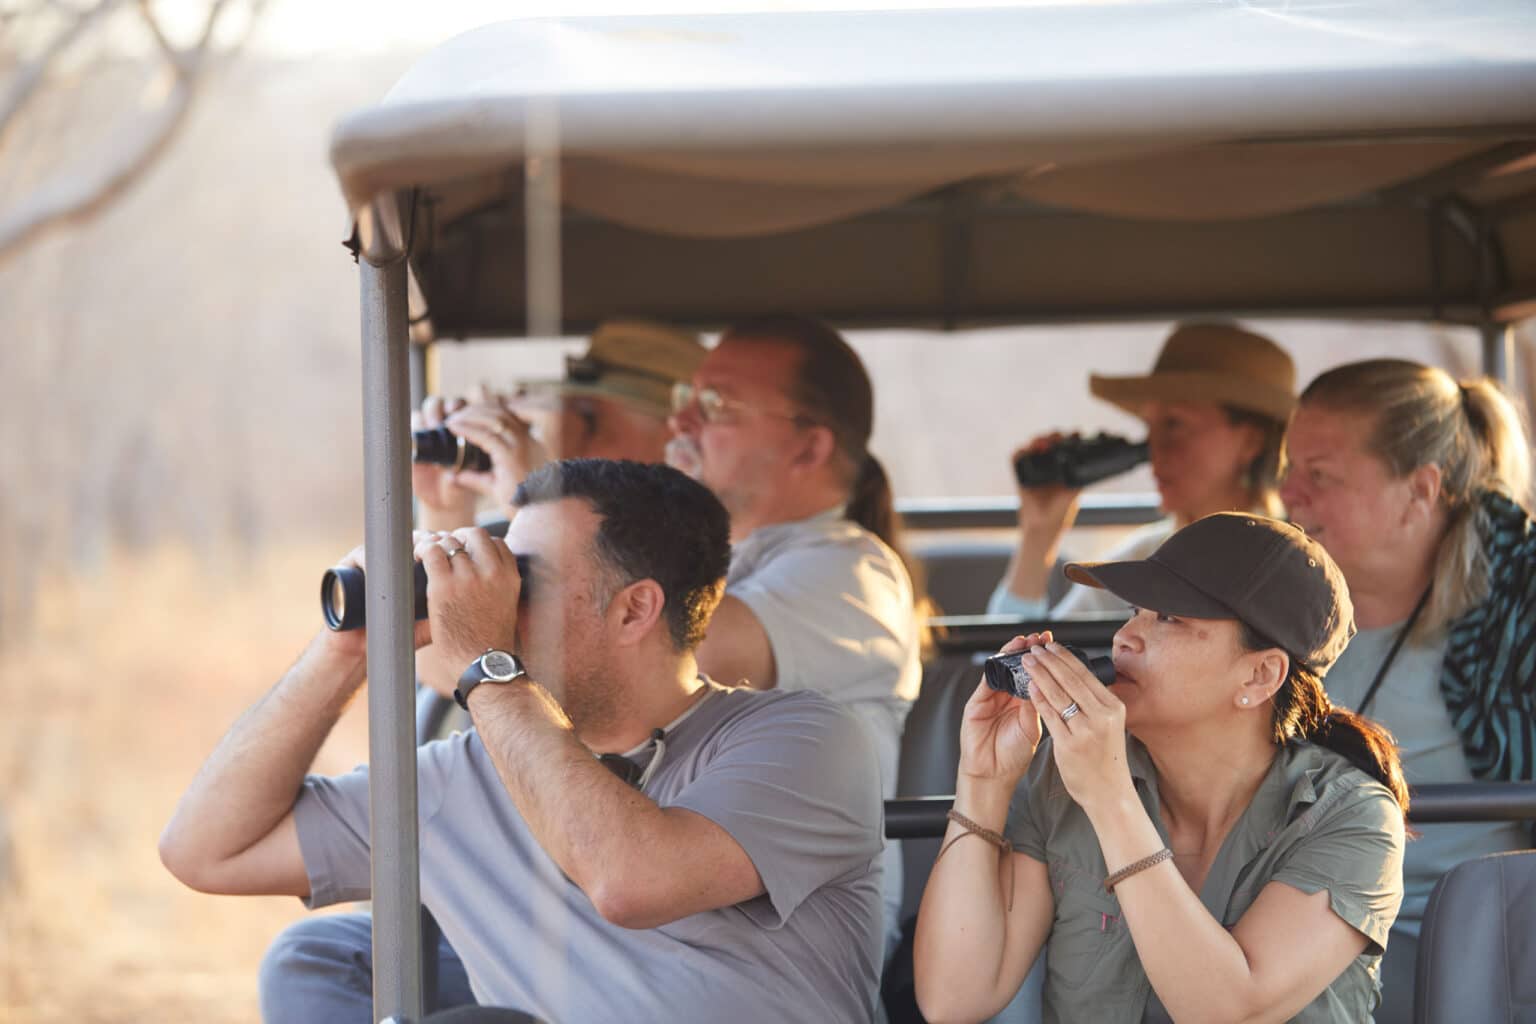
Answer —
1141 865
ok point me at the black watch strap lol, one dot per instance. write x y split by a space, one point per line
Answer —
491 667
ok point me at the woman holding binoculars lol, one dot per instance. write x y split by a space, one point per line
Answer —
1204 839
1215 405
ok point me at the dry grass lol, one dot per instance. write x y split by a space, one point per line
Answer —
128 681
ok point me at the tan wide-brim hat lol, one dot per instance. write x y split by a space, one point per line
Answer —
632 361
1213 362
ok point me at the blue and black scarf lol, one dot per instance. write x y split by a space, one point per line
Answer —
1488 678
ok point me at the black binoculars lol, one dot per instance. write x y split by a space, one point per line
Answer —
342 592
440 446
1006 672
1079 461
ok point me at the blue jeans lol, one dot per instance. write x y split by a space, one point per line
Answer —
321 969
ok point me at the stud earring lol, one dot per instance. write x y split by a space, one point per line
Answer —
1243 701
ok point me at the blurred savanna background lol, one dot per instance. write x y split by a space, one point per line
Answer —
180 452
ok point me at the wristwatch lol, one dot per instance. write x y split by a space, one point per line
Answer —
491 667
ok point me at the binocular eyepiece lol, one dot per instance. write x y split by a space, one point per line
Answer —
440 446
1079 461
343 592
1006 672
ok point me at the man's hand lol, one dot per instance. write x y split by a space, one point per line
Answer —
472 593
490 424
446 503
353 643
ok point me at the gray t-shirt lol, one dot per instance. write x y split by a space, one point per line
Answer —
836 603
1409 704
793 779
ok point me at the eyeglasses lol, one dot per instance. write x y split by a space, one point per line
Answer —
716 408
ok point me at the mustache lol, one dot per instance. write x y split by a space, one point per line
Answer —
683 454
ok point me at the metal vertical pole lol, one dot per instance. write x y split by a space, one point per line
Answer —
397 990
420 387
1498 350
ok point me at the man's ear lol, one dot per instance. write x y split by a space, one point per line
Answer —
1268 674
818 446
635 610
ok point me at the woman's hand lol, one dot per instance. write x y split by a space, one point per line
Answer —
1087 726
999 732
1047 512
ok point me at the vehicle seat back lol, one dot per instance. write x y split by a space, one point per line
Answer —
1477 947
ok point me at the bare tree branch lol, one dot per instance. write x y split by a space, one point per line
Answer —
94 183
31 75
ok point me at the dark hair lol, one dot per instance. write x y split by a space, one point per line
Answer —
657 524
1302 711
832 387
1262 478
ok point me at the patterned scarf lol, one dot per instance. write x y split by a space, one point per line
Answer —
1488 678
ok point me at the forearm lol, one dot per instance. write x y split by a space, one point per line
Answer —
451 516
605 835
961 952
1029 567
1194 964
248 785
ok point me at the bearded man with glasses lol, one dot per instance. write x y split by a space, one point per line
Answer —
776 422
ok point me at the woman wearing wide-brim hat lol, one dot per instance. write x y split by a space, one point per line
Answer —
1215 405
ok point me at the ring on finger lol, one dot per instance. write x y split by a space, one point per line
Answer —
1069 711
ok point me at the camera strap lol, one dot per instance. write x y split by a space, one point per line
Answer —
1397 645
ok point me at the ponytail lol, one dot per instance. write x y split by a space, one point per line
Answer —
871 504
1301 711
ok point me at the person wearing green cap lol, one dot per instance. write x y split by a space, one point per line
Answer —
1207 838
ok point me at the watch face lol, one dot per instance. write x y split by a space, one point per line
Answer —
500 665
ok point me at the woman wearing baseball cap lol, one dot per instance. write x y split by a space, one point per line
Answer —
1206 838
1215 405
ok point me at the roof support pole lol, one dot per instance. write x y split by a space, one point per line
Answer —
397 989
421 385
1498 350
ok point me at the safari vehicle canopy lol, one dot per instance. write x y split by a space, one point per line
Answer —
933 168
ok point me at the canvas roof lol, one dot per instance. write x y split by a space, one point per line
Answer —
980 166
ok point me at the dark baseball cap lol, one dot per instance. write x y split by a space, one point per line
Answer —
1265 573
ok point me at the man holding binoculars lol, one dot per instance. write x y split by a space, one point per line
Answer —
719 861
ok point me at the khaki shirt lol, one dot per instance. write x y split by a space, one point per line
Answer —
1316 822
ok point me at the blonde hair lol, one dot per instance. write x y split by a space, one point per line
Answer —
1470 430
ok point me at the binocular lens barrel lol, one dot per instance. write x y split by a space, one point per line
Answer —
343 594
440 446
1006 672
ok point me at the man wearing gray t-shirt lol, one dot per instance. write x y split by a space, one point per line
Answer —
724 867
776 422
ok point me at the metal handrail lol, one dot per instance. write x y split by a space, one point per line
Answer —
1003 513
922 817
